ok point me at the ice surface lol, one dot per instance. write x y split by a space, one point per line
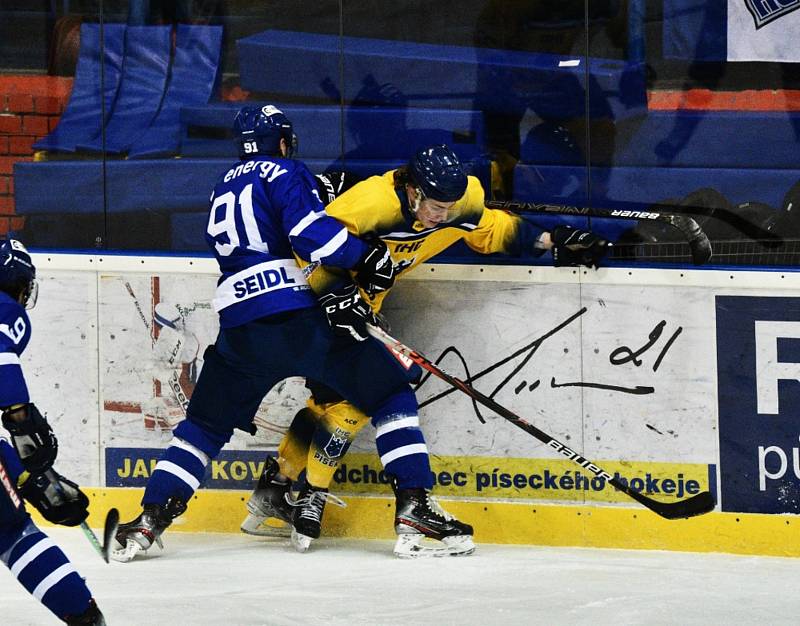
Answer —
224 579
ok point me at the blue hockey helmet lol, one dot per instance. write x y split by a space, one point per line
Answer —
258 132
438 174
17 272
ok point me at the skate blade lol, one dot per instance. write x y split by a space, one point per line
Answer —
265 527
126 554
410 546
300 542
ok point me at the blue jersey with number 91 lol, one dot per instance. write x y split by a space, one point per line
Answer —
262 210
15 332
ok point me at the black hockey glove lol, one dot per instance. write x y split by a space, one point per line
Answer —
59 500
333 184
375 272
573 246
347 312
33 439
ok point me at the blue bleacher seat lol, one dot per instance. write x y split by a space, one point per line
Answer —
443 76
191 82
369 132
692 139
93 90
144 76
637 187
718 139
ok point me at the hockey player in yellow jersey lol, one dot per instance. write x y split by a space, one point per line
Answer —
417 211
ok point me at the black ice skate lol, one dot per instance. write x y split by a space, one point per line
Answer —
140 534
269 512
307 517
90 617
419 516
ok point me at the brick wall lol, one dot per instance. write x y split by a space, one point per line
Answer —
30 107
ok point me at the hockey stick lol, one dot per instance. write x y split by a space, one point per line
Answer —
673 214
699 245
695 505
109 530
129 289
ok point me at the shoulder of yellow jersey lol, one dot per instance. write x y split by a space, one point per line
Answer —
367 206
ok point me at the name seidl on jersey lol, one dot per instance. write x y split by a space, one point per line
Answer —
258 280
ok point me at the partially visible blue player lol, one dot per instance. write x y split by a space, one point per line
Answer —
265 209
26 468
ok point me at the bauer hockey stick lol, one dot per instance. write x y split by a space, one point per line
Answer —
699 245
695 505
676 215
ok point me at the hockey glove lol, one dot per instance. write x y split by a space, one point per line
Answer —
573 246
375 272
333 184
59 500
347 312
33 439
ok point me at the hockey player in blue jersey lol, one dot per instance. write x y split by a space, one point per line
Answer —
26 467
418 210
263 211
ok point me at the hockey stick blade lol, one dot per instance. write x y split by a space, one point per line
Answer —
699 245
753 231
109 531
696 505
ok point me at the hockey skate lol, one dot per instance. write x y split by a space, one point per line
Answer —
307 517
139 535
269 512
418 516
90 617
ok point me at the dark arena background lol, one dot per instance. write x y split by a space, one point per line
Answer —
628 427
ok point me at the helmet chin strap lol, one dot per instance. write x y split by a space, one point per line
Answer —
417 200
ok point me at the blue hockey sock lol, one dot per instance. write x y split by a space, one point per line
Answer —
44 570
401 444
183 466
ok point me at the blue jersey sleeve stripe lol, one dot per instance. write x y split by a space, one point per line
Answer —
9 358
331 247
304 223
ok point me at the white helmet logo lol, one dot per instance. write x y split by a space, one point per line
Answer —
269 110
17 245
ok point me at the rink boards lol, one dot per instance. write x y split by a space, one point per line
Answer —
675 381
